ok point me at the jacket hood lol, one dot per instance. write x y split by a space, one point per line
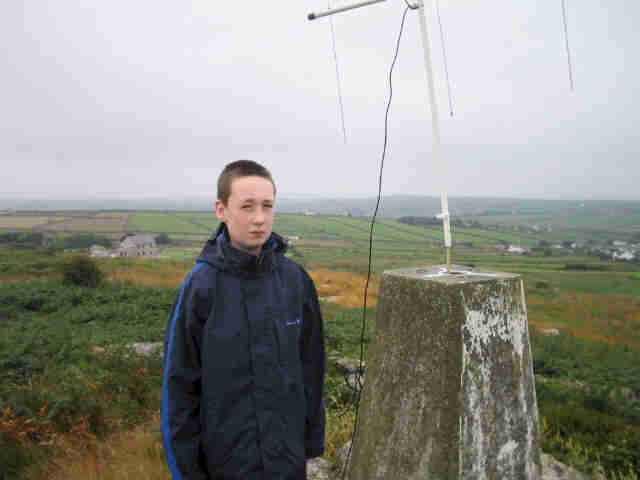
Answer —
219 253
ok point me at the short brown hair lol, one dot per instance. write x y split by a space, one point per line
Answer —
239 169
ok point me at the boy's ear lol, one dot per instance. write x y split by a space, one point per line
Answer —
220 211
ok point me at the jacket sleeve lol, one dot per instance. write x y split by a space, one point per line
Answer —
313 364
181 386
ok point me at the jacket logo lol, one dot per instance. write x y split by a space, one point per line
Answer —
291 323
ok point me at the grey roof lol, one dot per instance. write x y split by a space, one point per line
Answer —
141 239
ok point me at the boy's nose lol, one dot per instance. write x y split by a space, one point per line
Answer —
259 216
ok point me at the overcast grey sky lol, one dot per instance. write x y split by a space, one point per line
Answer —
154 97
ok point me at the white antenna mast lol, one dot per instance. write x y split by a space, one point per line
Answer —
435 122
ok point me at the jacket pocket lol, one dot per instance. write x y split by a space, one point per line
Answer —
287 330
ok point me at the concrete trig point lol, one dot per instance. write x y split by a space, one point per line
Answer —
449 391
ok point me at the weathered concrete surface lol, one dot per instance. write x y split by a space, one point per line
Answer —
450 392
318 469
552 469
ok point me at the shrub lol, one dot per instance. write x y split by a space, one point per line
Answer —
605 439
80 241
23 240
163 239
420 221
583 266
82 271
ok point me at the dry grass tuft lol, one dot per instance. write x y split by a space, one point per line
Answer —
151 273
348 288
137 454
612 319
339 431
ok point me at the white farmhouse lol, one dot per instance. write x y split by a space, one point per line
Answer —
623 255
98 251
138 246
289 239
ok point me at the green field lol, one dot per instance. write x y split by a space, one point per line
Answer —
323 227
157 222
567 223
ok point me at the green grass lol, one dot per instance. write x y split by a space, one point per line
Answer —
102 316
206 220
604 283
33 262
573 225
54 384
180 254
582 400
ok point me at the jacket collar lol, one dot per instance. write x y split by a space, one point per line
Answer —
219 252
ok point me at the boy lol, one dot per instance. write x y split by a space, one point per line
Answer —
244 349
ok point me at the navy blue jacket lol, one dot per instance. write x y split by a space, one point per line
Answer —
244 367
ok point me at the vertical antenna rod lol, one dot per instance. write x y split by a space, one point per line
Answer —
435 128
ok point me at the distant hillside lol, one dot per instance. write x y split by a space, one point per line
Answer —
392 206
395 206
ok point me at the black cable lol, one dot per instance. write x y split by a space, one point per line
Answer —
373 221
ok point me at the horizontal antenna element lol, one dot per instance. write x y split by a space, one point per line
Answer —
313 16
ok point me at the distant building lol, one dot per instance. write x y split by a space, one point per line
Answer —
138 246
623 255
516 249
98 251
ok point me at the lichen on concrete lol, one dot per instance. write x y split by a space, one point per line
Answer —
499 432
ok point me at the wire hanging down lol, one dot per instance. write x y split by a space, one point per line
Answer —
338 83
373 221
444 58
566 42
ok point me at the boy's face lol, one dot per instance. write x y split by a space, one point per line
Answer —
249 213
